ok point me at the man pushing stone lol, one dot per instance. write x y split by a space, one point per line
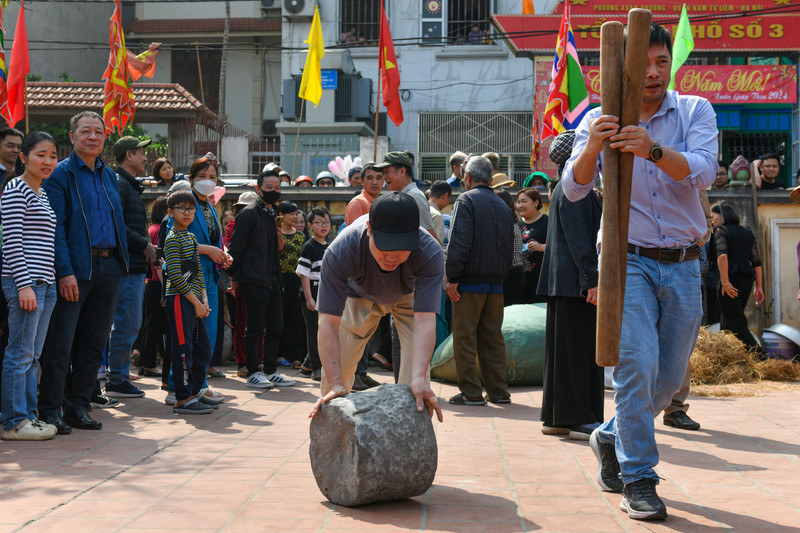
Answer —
381 263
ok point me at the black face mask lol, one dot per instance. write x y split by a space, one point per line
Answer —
270 197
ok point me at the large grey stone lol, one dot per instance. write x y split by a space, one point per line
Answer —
373 446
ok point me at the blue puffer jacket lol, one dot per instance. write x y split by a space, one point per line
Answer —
73 244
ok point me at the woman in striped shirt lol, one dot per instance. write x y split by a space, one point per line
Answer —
28 281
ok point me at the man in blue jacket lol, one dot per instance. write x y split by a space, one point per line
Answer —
91 258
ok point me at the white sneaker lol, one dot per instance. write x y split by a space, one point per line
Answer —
170 399
279 380
258 380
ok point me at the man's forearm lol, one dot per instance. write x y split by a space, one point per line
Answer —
329 348
423 343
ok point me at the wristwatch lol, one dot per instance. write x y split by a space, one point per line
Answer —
656 153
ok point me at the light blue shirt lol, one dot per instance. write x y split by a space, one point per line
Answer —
664 213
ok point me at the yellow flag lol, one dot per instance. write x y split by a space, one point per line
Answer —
311 84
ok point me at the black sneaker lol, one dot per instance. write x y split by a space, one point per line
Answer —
192 407
607 464
640 501
123 390
103 402
369 382
680 420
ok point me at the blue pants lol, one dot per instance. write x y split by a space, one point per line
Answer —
660 323
27 331
127 322
191 350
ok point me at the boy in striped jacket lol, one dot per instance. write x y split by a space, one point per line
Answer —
187 307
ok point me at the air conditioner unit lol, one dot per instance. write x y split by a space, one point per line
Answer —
266 4
298 9
268 128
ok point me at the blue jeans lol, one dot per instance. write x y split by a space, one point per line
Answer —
27 331
127 322
660 323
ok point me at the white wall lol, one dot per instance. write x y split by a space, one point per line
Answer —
78 24
196 10
440 78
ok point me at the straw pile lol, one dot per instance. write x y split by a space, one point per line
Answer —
721 359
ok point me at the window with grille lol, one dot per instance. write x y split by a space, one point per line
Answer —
185 72
360 22
456 22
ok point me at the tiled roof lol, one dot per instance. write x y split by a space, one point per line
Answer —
248 25
148 96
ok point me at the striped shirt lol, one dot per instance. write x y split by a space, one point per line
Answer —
310 260
29 228
182 263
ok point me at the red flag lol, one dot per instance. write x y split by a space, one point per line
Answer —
4 110
18 68
390 75
144 64
118 107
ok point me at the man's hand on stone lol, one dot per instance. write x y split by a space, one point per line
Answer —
335 392
426 397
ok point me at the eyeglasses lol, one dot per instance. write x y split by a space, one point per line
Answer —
183 209
323 224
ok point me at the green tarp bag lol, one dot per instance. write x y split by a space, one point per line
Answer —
523 331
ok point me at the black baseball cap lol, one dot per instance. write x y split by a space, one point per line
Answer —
394 222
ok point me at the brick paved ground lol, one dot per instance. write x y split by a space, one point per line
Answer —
246 468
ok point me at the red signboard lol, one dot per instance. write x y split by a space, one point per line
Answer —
725 84
666 7
534 34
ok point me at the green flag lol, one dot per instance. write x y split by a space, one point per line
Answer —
682 45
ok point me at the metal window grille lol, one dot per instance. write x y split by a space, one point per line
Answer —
463 16
360 22
756 145
508 134
314 153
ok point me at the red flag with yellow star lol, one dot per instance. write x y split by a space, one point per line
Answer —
118 107
390 75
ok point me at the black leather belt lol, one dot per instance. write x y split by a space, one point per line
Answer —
667 255
103 252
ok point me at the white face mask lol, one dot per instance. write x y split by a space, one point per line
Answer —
205 187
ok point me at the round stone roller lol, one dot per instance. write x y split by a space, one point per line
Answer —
373 446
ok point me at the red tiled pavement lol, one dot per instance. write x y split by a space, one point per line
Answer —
246 468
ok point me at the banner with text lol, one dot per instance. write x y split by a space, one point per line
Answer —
725 84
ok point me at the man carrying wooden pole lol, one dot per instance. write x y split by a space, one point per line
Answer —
674 156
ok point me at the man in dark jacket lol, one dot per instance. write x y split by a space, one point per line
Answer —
91 258
479 257
256 271
131 161
572 403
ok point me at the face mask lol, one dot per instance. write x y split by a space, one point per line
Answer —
270 197
205 187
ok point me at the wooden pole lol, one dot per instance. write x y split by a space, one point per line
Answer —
25 99
200 74
633 77
297 137
609 296
377 115
629 87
